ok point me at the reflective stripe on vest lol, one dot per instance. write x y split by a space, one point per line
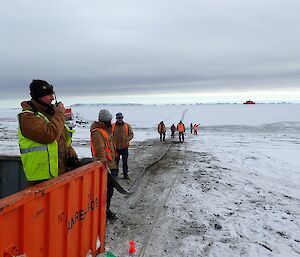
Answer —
180 127
33 149
108 151
40 161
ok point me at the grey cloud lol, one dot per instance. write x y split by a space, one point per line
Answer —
101 47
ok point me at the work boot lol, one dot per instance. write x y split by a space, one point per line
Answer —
125 176
110 215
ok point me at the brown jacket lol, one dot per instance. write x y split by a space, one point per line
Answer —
120 137
98 141
36 129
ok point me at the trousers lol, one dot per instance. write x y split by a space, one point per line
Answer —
124 153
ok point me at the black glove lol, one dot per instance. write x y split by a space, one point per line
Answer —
73 162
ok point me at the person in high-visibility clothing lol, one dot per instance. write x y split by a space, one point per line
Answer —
122 134
196 126
181 130
161 129
103 149
44 140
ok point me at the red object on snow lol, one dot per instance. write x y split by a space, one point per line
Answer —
249 102
131 249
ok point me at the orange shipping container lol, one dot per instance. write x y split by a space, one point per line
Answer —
64 216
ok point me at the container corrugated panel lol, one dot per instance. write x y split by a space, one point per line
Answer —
64 216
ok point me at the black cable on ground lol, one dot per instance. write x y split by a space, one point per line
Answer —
137 182
139 179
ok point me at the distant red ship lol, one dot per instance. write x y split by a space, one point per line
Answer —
249 102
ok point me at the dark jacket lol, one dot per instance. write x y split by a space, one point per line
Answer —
173 128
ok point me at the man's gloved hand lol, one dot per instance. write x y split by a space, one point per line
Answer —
73 162
59 107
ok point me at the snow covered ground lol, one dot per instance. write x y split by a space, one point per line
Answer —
233 190
257 197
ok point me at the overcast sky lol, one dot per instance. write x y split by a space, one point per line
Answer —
120 48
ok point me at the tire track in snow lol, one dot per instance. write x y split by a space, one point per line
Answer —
159 210
137 182
144 208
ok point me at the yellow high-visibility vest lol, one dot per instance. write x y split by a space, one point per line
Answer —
40 161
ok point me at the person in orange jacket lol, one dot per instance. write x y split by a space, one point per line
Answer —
181 130
196 126
103 149
122 134
161 129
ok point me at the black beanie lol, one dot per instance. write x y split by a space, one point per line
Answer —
40 88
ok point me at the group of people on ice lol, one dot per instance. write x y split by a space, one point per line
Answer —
45 140
161 129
